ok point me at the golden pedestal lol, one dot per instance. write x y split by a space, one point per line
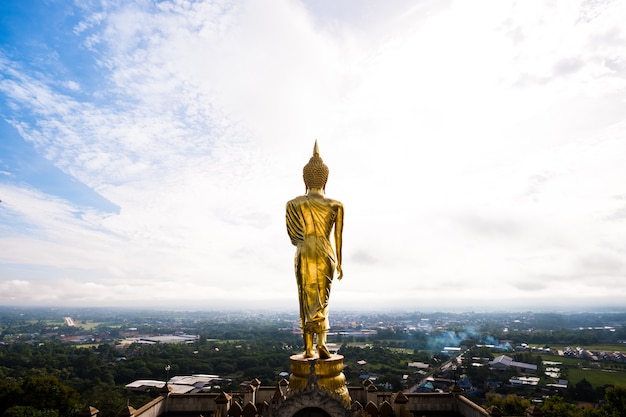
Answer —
323 374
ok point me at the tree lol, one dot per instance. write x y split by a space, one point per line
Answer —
615 401
511 405
10 390
110 400
28 411
557 407
583 391
48 393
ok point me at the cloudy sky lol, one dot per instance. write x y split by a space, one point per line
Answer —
148 148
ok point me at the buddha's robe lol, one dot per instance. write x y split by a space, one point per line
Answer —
310 222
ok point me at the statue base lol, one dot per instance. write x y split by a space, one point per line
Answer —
323 374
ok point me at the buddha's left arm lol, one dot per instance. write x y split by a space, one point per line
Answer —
338 239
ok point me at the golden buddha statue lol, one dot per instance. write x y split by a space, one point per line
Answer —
310 220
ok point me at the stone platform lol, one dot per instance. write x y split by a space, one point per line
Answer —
323 374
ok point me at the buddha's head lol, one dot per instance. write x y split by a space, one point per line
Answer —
315 173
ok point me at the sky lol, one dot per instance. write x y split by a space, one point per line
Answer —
148 148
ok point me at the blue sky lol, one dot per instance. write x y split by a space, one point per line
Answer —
147 150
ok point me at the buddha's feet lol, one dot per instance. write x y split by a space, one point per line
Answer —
323 352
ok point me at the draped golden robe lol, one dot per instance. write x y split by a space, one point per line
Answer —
310 222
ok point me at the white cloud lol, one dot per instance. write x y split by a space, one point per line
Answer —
477 148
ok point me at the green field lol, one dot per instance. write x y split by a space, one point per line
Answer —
610 348
563 360
596 377
91 325
597 373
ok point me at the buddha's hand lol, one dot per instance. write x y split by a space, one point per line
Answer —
339 272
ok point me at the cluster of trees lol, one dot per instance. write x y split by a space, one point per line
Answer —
54 379
613 405
37 394
48 378
34 377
